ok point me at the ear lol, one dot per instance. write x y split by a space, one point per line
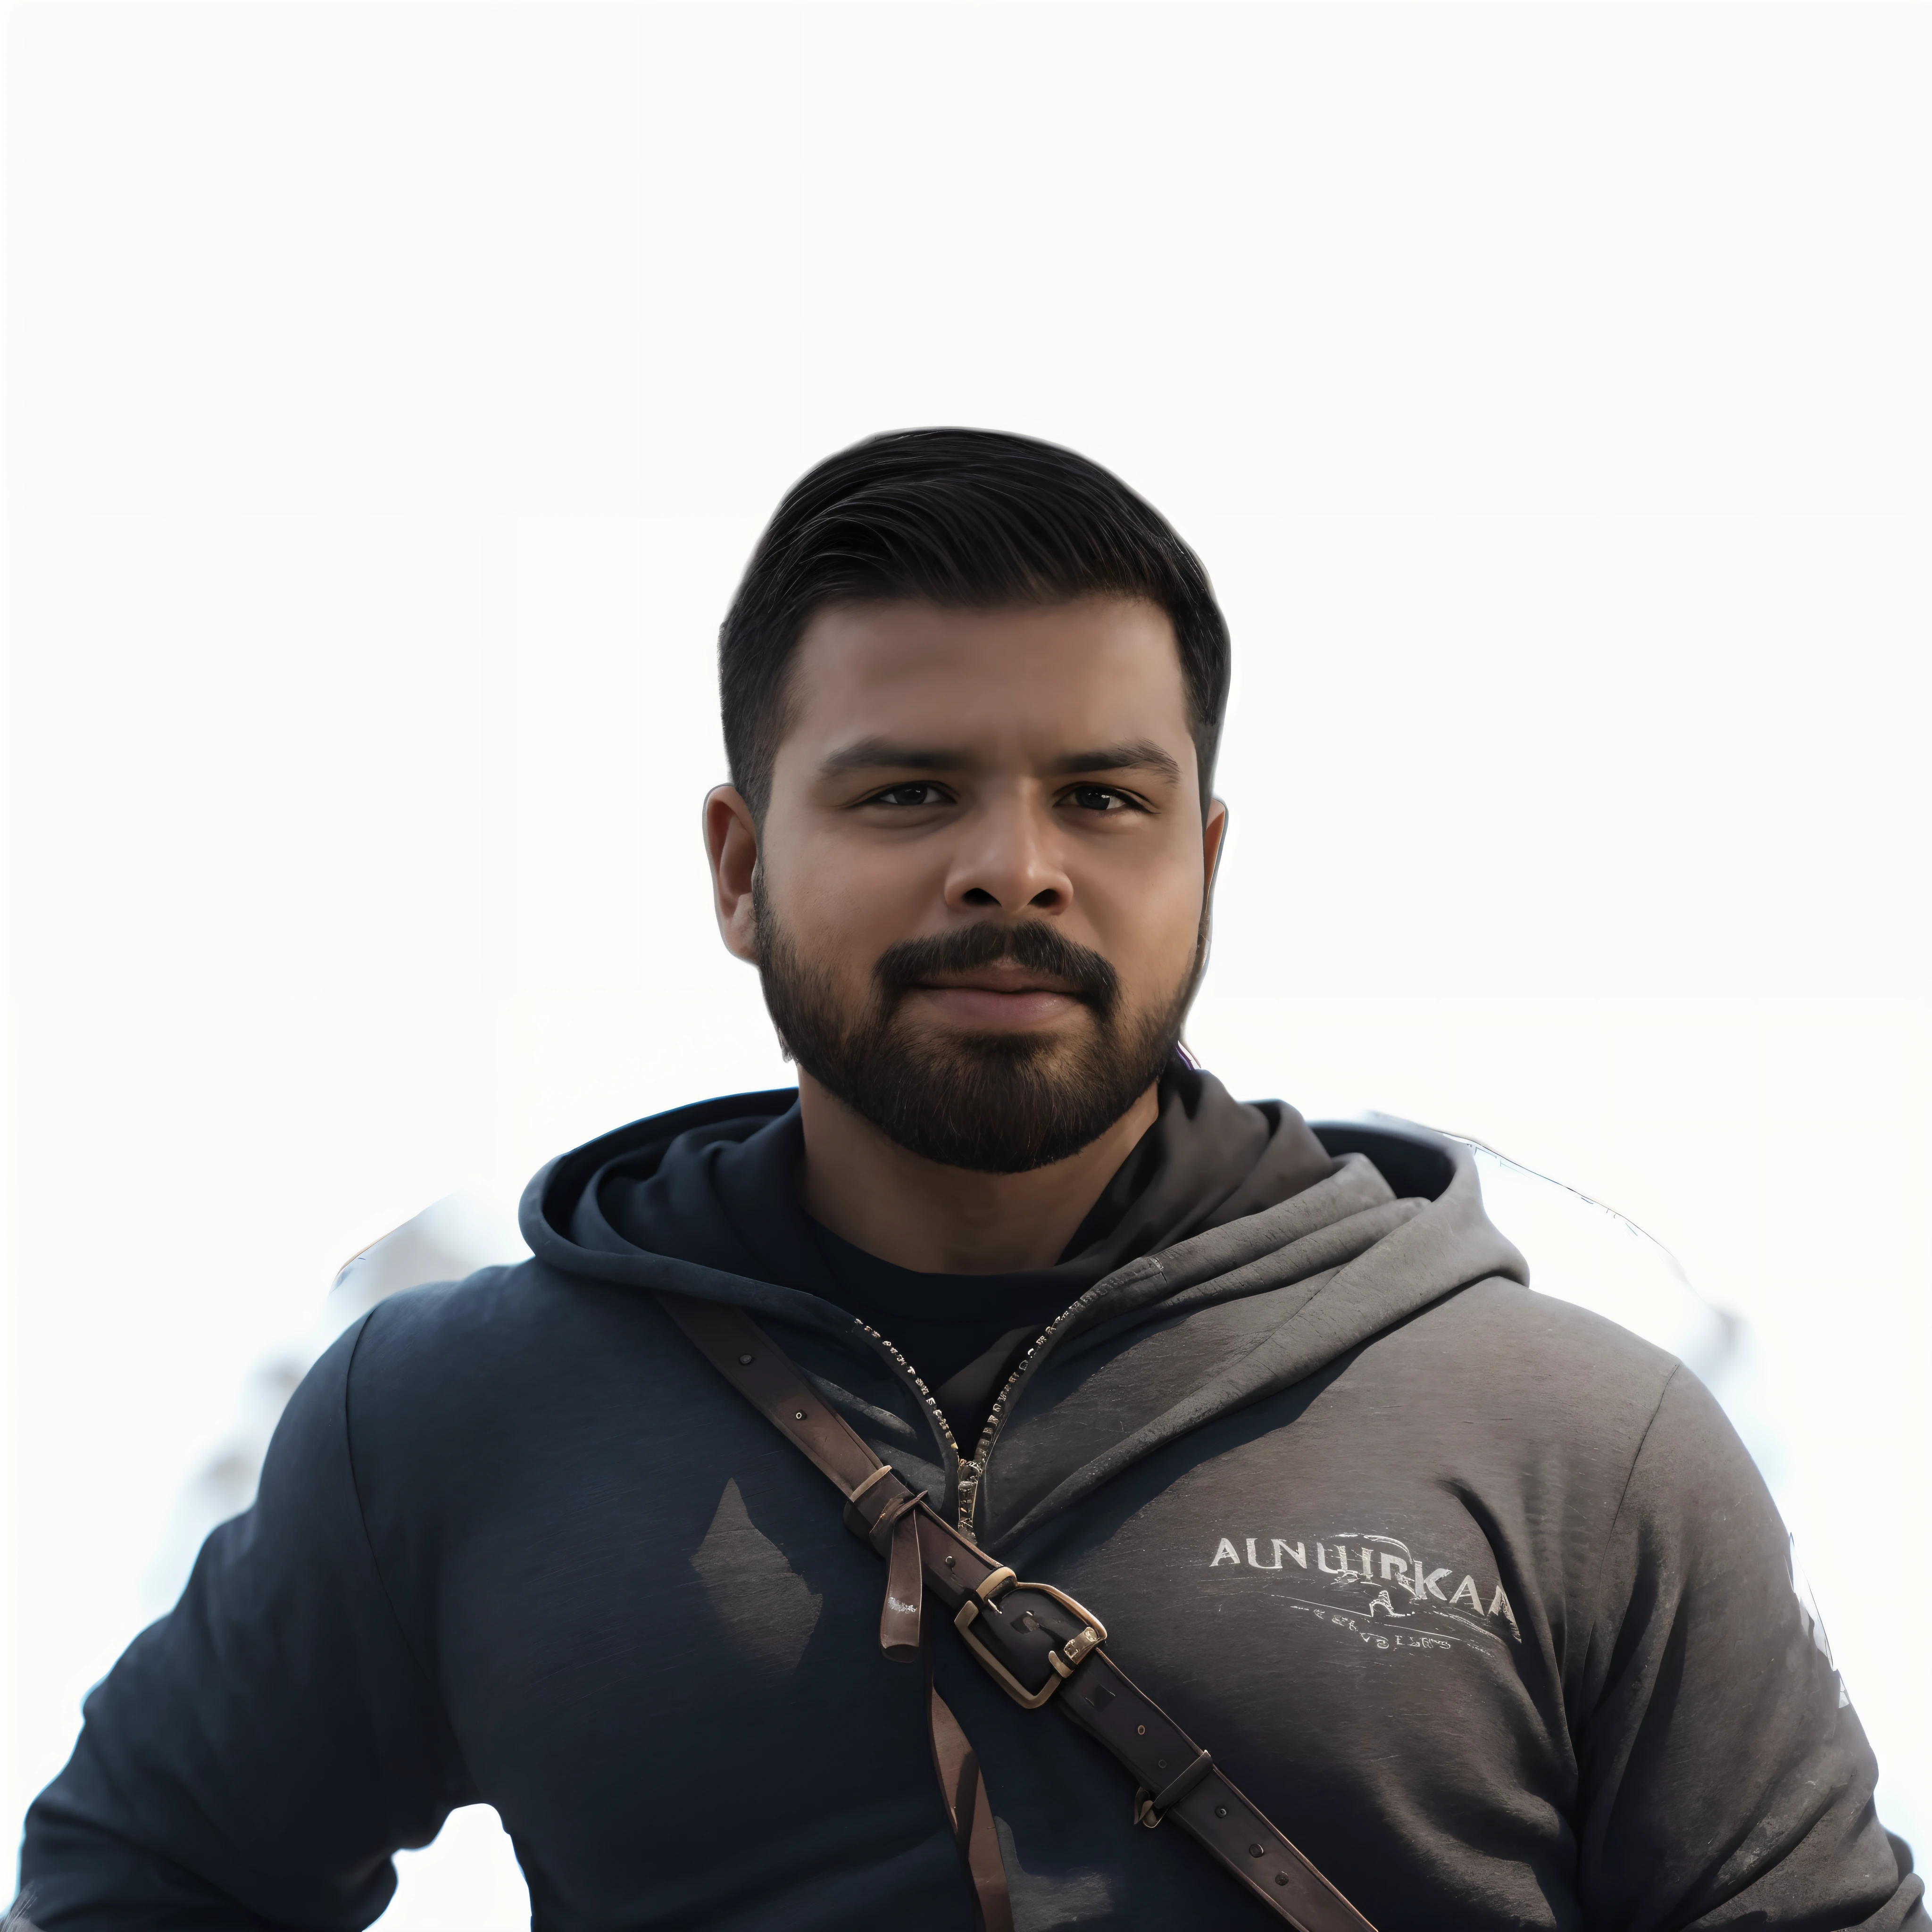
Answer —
1214 837
731 844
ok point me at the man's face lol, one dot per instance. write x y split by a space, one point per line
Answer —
979 907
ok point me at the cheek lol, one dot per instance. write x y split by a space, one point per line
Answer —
1147 919
843 904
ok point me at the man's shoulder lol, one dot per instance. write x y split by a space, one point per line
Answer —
1551 1328
466 1400
501 1333
1503 1355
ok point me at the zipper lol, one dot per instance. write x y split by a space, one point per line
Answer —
935 1415
1003 1407
996 1417
970 1472
1004 1402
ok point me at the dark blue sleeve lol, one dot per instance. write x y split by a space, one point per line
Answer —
256 1757
1724 1779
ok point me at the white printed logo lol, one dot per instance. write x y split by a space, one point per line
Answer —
1376 1589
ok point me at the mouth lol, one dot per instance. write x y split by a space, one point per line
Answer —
1003 994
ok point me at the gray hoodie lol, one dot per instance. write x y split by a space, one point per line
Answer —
1475 1594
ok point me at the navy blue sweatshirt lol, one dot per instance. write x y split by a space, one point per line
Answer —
1476 1594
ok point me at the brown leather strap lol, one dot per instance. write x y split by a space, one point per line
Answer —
760 1371
1039 1646
1106 1703
898 1533
968 1809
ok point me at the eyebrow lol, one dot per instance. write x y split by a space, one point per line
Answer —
872 754
1143 755
879 754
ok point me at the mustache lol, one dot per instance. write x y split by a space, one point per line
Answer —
1032 944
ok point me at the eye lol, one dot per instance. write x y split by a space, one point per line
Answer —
908 796
1103 799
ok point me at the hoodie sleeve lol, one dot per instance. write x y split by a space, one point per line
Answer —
1724 1779
255 1757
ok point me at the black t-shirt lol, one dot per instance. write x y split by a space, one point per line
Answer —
1207 1160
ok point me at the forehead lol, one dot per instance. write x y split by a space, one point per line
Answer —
1102 671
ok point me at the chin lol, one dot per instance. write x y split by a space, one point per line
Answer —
1013 1044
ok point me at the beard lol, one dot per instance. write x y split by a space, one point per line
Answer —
995 1103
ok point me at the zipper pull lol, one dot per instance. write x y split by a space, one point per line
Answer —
969 1493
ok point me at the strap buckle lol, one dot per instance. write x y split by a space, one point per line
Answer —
1062 1662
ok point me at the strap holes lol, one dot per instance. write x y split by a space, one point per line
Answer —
1140 1730
798 1415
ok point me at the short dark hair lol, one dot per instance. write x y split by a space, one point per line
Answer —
969 519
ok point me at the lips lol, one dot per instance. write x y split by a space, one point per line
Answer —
994 973
975 1004
1014 981
1001 993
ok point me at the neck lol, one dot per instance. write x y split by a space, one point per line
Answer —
869 1190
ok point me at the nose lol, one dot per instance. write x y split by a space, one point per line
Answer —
1008 860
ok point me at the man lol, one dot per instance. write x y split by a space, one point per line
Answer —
1474 1596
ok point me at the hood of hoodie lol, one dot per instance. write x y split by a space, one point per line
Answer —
1162 1345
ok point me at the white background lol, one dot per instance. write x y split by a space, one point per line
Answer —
396 392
